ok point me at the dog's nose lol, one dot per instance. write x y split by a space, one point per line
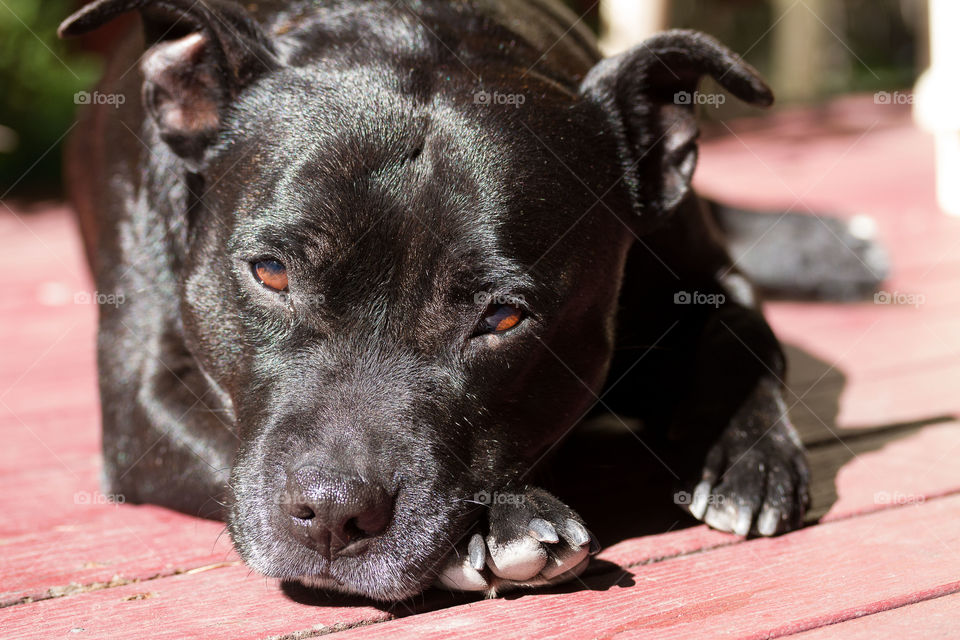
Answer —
335 514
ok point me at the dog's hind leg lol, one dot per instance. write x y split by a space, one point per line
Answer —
801 255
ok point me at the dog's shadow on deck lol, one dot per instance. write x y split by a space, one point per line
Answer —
612 477
625 490
625 487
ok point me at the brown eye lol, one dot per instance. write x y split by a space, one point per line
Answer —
500 318
271 274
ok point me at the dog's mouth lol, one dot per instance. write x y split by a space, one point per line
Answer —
391 574
323 582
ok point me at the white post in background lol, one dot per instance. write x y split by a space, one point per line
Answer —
937 100
803 48
624 23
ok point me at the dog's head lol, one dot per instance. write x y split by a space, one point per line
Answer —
403 280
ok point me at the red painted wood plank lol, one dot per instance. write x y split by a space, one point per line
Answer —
759 589
103 547
900 398
899 361
228 602
35 441
886 345
46 497
835 163
70 365
843 167
884 470
23 376
938 305
67 399
936 618
862 406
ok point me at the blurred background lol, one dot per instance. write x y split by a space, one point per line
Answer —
810 51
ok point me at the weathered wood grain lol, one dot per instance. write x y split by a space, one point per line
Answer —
925 620
764 588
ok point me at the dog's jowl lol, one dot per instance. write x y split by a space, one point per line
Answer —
378 258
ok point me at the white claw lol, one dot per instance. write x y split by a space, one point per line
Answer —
579 535
768 521
744 517
477 552
720 517
701 496
543 531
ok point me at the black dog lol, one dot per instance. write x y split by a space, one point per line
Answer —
379 257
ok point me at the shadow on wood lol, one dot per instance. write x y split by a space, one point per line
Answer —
624 486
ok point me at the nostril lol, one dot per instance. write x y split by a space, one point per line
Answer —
295 502
353 532
302 512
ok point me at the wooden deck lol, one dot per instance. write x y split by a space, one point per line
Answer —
874 390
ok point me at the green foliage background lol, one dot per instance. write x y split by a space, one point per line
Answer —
38 79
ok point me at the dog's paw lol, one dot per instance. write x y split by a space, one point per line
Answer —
532 539
754 485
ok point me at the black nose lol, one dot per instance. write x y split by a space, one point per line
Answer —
335 514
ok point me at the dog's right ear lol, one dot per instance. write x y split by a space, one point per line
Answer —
201 54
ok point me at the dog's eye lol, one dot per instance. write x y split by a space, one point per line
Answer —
271 274
500 318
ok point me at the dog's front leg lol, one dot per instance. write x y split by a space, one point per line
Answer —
755 477
167 439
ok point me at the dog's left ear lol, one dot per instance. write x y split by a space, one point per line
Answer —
648 93
201 54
